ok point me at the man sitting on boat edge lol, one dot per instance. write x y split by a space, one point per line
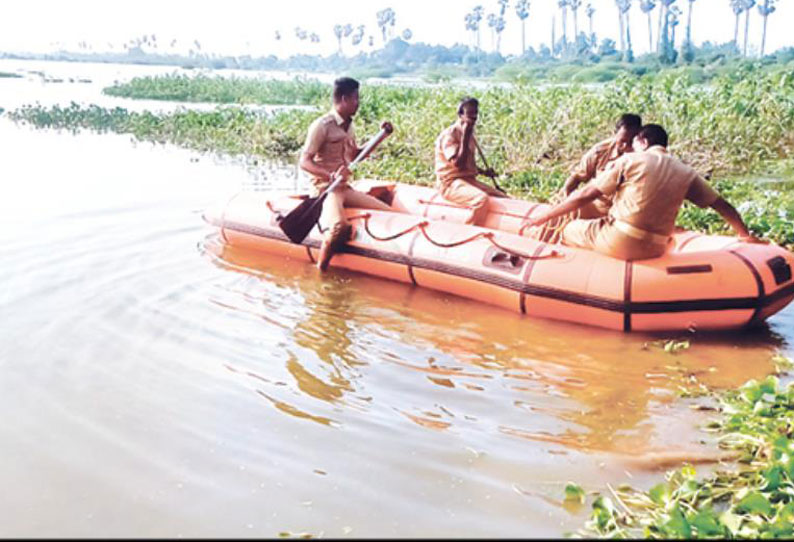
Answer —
601 157
649 187
330 146
456 169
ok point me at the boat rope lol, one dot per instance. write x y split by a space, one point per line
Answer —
423 226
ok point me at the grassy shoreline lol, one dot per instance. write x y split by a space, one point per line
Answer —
739 127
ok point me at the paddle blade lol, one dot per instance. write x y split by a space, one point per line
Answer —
299 222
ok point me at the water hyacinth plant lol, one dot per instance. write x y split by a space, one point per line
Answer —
755 499
740 125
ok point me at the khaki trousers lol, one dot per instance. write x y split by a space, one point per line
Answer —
333 218
471 193
600 235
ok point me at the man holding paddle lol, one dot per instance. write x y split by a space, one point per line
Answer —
456 170
330 148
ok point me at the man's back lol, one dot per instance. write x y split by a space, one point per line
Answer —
651 187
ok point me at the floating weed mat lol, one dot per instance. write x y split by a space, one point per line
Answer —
753 499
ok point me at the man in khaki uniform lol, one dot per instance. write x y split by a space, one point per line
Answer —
601 157
649 187
456 170
330 146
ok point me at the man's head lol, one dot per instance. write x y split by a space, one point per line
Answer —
346 96
650 135
626 128
469 109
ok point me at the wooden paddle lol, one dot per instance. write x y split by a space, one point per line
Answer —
299 222
484 161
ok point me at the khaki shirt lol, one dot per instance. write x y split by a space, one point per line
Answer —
598 159
330 144
649 188
447 145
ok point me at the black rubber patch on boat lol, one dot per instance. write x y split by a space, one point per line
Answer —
499 259
759 282
781 270
627 276
689 269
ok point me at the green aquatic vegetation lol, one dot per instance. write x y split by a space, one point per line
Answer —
222 90
9 75
754 499
740 125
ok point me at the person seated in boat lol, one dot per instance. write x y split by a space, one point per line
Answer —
456 170
330 146
649 187
599 158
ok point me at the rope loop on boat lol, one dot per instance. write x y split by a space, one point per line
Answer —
423 226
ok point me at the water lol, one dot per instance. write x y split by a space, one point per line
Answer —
158 384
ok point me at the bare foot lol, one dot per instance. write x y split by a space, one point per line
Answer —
324 257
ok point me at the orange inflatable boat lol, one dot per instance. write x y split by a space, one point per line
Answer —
703 282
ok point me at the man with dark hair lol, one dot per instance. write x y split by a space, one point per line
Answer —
598 159
330 146
456 170
649 187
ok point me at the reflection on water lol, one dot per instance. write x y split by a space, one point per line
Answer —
158 384
578 388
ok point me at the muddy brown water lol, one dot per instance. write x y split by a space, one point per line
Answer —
157 383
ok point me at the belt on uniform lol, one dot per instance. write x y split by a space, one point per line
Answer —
642 235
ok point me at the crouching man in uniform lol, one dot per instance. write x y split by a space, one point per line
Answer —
649 187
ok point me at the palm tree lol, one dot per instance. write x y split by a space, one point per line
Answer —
477 14
500 23
338 31
471 26
748 5
673 14
492 25
386 21
564 6
620 5
647 6
522 12
737 6
664 7
358 36
590 11
624 6
689 23
575 5
765 10
500 27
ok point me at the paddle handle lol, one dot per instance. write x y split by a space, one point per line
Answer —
366 151
484 161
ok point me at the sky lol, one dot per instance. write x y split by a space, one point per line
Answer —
239 27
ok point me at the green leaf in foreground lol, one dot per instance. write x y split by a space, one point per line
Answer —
574 493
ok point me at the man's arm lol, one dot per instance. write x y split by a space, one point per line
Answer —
571 204
703 195
730 215
307 164
462 153
584 171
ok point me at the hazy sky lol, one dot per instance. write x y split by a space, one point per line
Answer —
248 27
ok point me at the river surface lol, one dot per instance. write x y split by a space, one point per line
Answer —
157 384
